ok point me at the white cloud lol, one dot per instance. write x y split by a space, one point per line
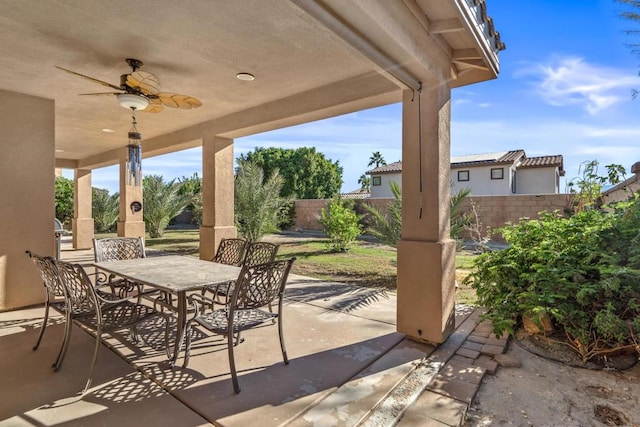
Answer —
573 81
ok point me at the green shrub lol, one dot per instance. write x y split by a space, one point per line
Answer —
583 272
340 223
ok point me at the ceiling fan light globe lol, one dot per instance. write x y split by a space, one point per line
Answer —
132 101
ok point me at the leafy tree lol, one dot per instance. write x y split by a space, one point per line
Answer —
340 223
105 208
586 189
161 202
64 199
376 159
364 181
306 173
632 14
257 200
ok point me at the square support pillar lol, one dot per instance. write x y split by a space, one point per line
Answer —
130 222
27 205
217 194
82 223
426 253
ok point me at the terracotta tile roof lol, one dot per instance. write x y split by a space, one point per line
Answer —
486 159
390 168
360 193
543 161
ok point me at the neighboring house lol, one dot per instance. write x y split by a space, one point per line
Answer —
503 173
625 189
360 193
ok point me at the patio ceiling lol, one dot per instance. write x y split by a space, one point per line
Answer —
304 70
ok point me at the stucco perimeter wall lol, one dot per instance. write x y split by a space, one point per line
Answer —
27 195
496 211
493 211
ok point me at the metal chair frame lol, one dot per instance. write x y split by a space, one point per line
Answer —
257 287
88 307
255 253
116 249
54 294
56 298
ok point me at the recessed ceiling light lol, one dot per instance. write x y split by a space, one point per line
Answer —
59 151
245 76
106 130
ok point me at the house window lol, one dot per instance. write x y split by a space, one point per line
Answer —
497 173
376 180
463 175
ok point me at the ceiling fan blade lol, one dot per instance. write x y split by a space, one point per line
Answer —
90 78
179 101
155 106
102 93
148 83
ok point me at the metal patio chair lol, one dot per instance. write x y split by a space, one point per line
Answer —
116 249
257 287
56 298
256 253
88 307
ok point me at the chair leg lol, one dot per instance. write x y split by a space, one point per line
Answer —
187 349
44 323
284 350
65 342
95 358
232 363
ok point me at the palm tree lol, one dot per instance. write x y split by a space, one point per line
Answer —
105 209
162 202
257 201
387 225
364 181
376 159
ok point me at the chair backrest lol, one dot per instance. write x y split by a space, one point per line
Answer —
258 285
81 294
118 248
260 253
230 252
47 270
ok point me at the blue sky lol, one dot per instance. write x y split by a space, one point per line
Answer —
564 88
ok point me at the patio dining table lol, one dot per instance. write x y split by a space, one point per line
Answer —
175 274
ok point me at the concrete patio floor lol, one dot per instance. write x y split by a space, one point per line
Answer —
348 366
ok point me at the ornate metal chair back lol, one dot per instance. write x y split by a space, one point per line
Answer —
118 248
230 252
46 268
260 253
259 285
81 294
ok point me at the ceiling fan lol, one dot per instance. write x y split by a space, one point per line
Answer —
140 90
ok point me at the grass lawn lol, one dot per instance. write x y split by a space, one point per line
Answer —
365 264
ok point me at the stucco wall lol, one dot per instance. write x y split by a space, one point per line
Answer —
27 196
494 211
384 190
536 181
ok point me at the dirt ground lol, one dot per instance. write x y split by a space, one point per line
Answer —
547 393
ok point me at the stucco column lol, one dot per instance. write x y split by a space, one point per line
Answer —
27 207
82 223
130 222
426 253
217 194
